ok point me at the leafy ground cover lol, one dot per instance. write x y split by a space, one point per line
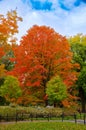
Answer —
43 126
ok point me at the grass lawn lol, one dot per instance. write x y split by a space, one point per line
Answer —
42 126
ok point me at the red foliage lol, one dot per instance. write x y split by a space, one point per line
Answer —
42 53
1 52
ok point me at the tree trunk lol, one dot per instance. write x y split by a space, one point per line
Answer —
82 96
44 93
55 104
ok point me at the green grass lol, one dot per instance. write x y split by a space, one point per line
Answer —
42 126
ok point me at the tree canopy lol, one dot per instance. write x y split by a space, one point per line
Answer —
42 53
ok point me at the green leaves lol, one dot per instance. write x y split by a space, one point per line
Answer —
56 90
10 88
82 79
78 47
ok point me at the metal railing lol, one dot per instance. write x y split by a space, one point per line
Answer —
48 117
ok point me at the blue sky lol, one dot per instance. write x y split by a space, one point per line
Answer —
67 17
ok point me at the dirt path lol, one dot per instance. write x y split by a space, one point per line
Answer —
13 122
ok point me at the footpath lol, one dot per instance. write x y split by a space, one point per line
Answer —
72 121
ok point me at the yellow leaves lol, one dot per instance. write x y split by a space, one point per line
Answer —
79 39
84 40
74 39
8 26
2 70
13 14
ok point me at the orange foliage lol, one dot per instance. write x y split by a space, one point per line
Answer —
42 53
8 28
1 52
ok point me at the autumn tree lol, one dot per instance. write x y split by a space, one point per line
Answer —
78 47
8 29
42 53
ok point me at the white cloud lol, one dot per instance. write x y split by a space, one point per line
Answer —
76 21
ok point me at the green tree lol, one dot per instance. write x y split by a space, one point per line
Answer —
81 82
79 51
56 90
78 47
10 89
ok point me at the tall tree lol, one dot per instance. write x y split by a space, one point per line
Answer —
42 53
8 29
81 82
78 47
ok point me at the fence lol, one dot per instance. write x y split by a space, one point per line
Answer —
31 117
